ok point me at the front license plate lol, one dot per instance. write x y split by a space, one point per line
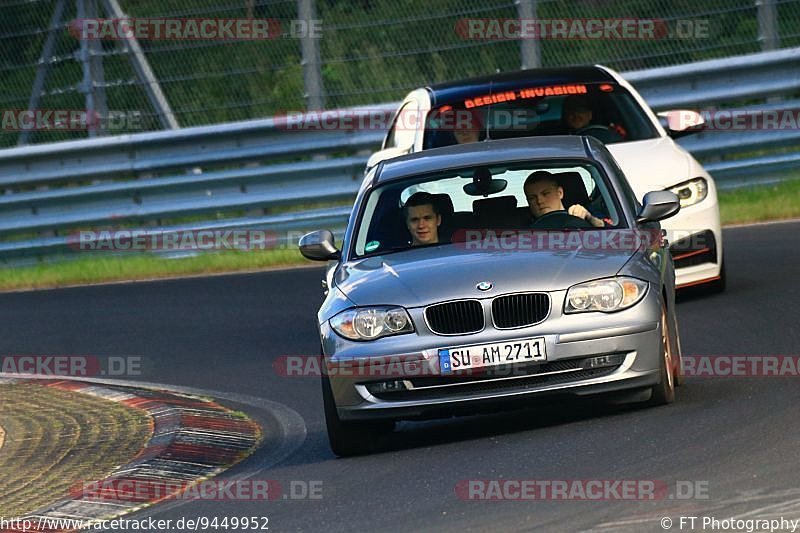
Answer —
488 355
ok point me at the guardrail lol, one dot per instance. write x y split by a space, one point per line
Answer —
261 174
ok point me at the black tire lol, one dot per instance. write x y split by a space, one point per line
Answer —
664 392
350 438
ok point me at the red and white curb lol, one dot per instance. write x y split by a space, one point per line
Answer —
192 439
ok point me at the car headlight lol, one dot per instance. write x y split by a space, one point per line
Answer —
691 192
369 323
606 295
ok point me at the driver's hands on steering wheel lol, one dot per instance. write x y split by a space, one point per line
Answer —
579 211
600 132
591 127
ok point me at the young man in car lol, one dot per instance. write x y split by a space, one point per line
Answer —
422 219
577 114
466 125
545 195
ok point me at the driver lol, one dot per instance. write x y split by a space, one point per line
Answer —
577 112
544 195
577 117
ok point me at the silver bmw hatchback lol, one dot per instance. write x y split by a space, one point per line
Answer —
488 275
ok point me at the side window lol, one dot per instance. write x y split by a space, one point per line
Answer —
402 132
589 183
627 191
630 196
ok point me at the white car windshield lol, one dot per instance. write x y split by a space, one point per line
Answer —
605 111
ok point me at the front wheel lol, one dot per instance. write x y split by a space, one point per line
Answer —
350 438
664 392
677 353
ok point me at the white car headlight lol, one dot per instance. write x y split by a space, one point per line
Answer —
691 192
369 323
606 295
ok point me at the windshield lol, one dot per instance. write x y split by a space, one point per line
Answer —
605 111
442 208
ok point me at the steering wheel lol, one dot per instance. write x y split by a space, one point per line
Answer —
601 133
593 128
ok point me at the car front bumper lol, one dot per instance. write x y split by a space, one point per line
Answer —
695 239
630 338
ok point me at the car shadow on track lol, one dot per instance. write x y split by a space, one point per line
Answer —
411 435
543 415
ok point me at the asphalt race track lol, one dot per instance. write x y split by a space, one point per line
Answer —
737 438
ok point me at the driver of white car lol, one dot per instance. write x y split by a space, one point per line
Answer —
577 114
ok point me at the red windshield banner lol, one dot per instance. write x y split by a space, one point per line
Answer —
528 92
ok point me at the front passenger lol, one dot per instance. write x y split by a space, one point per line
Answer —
422 219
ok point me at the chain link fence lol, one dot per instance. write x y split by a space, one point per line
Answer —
326 53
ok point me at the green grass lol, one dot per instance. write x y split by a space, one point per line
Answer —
98 269
757 204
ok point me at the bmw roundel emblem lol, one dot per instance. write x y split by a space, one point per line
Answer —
484 286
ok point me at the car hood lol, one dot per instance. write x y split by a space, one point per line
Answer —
652 164
423 276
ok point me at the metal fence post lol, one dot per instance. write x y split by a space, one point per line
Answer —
528 44
309 46
44 64
767 25
93 85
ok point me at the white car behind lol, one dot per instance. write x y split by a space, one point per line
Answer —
532 102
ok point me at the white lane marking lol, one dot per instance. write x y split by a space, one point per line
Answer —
763 223
716 509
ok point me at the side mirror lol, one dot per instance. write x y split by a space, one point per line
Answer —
681 122
658 205
319 246
385 154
